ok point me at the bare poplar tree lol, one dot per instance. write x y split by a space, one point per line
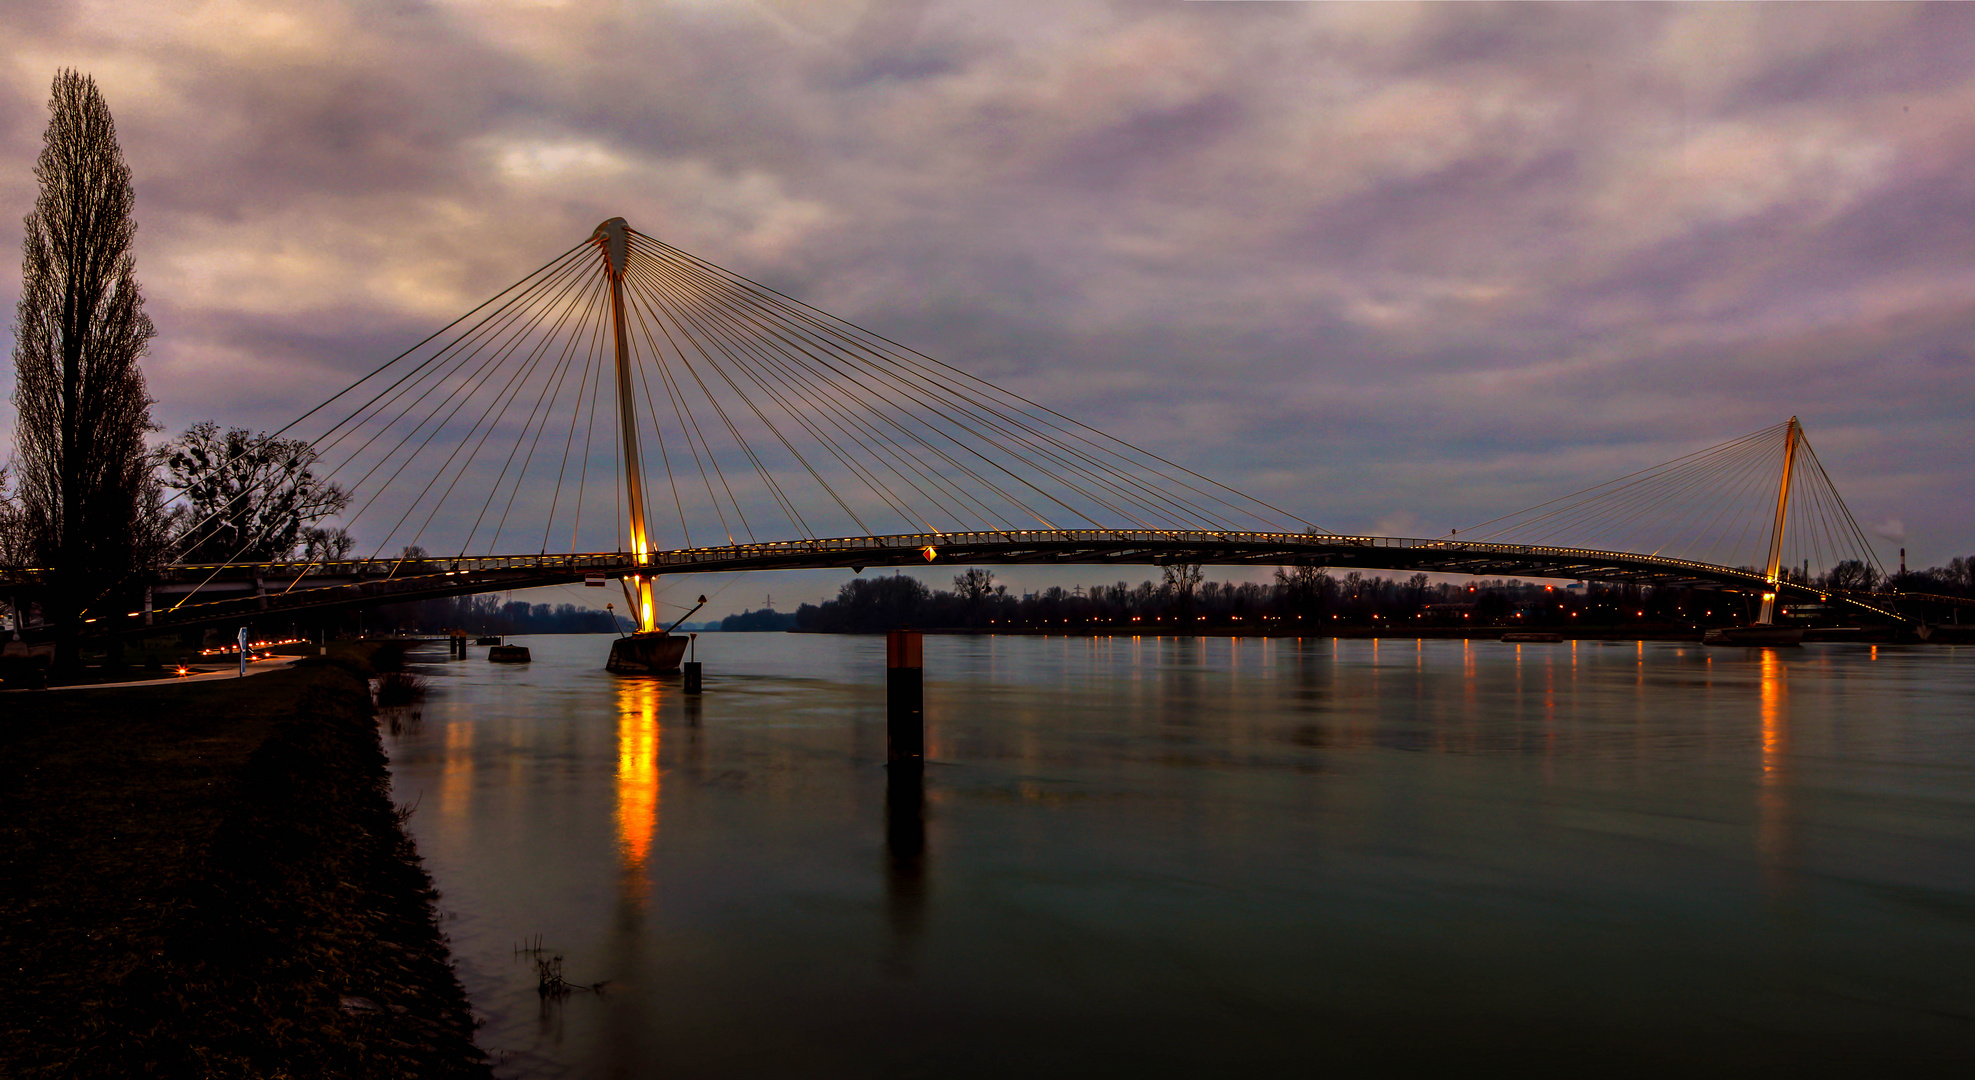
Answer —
13 539
84 477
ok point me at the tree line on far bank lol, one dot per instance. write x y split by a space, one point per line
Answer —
1304 595
488 613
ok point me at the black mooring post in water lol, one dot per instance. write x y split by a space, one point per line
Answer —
694 673
905 697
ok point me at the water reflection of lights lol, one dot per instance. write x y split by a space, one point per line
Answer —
456 779
637 776
1773 691
1772 800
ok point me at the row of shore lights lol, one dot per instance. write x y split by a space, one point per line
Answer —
256 650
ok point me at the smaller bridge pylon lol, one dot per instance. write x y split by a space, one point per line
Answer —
1802 548
1793 433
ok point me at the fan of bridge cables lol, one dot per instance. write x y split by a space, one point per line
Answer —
1716 505
758 418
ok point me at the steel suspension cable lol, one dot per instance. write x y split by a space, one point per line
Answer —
683 313
947 399
1075 430
544 398
458 398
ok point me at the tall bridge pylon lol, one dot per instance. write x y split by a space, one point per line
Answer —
611 240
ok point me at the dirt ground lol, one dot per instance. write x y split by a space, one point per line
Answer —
211 880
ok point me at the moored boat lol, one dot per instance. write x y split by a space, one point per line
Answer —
509 654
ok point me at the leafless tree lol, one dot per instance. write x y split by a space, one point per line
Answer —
85 479
974 586
1305 587
1181 581
247 497
322 544
1851 575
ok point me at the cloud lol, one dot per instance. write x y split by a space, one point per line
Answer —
1376 261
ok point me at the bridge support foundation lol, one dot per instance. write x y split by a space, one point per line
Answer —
905 697
646 653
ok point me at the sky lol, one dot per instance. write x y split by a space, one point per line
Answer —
1395 268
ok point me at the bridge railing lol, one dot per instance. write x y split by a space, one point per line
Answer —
625 562
1164 544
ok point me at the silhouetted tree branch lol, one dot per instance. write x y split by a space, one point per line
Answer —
249 498
1181 579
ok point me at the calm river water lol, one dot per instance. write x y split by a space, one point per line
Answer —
1185 857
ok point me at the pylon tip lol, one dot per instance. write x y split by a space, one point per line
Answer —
611 236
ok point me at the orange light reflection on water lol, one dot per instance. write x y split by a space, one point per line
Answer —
1772 800
637 776
1773 691
456 776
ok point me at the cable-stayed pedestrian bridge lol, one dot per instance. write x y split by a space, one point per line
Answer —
627 390
230 593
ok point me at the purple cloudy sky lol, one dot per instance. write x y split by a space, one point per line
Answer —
1396 268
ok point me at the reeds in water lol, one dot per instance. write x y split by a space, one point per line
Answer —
400 688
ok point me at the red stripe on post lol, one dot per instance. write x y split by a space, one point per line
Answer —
905 649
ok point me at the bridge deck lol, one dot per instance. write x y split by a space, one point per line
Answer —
196 595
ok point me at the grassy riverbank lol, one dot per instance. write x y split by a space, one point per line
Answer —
210 880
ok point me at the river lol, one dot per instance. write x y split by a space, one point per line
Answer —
1183 857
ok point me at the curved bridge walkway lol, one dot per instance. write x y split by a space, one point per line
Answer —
190 596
